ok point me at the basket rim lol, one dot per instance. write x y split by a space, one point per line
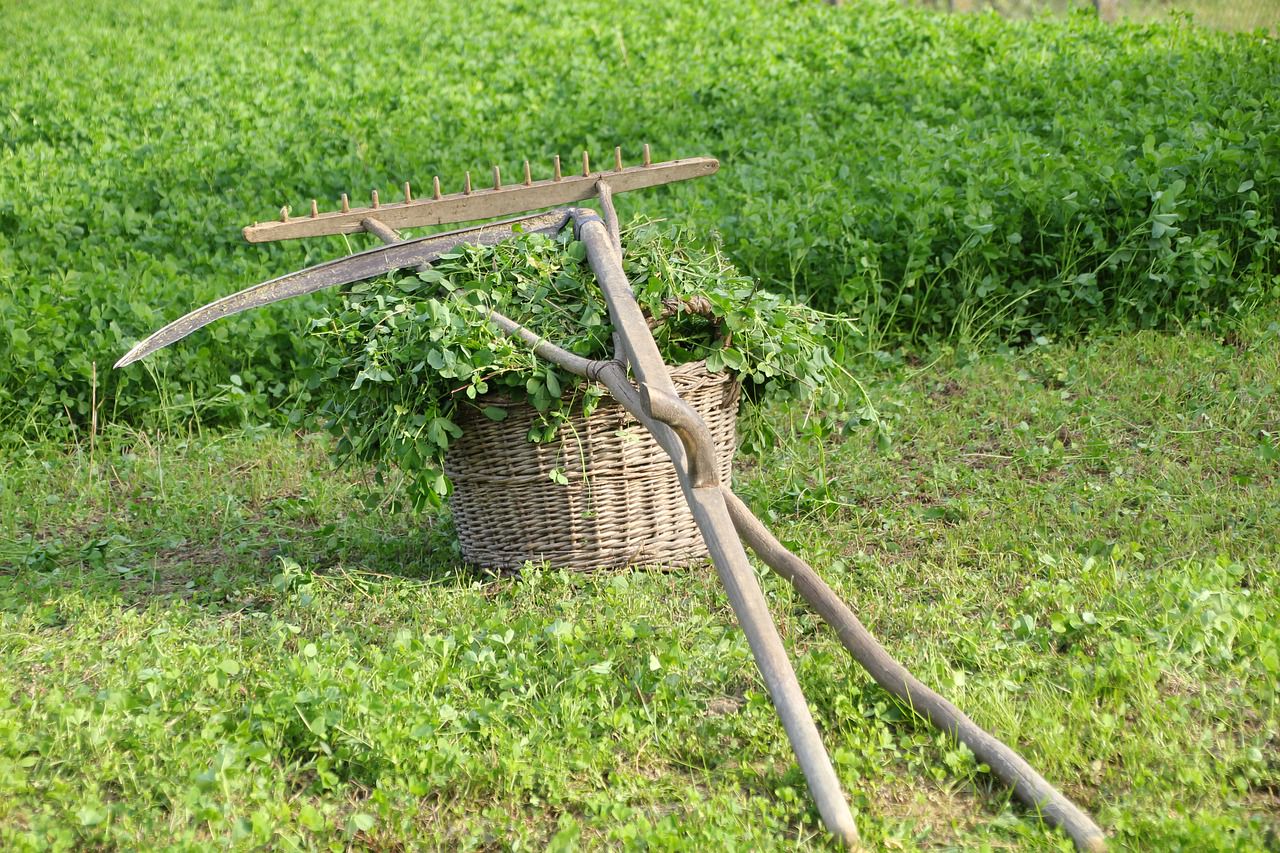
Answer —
500 400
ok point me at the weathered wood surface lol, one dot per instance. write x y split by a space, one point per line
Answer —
352 268
707 505
483 203
747 600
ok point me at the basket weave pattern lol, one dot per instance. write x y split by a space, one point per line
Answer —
623 505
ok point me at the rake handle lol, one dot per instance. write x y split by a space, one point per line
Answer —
707 505
745 596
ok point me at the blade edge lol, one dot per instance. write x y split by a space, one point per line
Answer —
362 265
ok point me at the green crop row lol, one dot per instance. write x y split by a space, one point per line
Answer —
934 175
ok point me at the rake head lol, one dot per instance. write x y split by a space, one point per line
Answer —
382 219
481 203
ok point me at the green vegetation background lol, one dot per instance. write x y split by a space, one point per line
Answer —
938 176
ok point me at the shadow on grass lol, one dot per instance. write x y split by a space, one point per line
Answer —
135 568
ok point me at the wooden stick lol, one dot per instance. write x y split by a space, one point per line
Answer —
381 231
1028 785
709 511
483 203
585 367
605 194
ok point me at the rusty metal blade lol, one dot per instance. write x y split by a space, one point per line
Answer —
357 267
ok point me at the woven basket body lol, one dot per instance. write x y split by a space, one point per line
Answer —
623 505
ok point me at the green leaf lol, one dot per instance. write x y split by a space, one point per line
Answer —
90 815
310 817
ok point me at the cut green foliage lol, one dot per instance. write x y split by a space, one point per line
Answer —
215 642
402 356
929 174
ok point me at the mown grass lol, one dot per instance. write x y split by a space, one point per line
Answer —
214 640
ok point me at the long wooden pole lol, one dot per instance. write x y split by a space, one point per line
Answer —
1028 785
707 505
1011 768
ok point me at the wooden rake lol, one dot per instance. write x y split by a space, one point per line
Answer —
638 379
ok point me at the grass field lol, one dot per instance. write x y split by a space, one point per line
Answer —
211 639
214 641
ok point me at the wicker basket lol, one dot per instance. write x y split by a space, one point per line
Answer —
623 505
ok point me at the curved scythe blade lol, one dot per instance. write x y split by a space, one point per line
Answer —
357 267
